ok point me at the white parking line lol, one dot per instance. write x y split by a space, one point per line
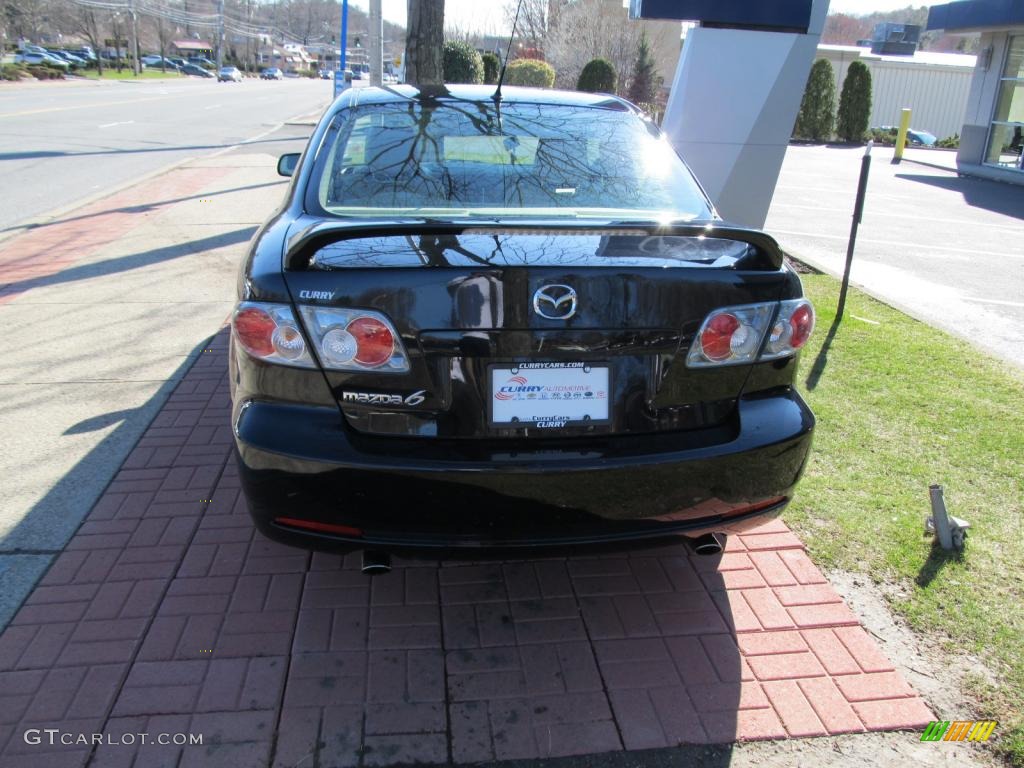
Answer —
898 215
111 125
996 301
214 106
897 244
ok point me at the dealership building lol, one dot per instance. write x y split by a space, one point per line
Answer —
991 141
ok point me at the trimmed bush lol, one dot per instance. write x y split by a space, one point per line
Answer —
854 103
461 63
43 72
492 67
817 114
532 72
598 76
12 72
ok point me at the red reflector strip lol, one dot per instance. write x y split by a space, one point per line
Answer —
754 507
313 525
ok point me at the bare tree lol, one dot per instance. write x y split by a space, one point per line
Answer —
532 26
163 32
588 29
424 41
23 18
116 29
86 22
306 20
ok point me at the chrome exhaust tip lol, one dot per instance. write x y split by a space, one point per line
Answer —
709 544
375 562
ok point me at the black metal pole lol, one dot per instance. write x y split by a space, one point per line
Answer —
858 214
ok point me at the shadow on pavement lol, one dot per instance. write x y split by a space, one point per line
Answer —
134 261
1005 199
52 515
94 423
46 154
143 208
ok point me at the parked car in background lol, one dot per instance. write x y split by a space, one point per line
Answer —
272 73
177 60
510 322
44 59
914 136
156 62
324 74
70 58
229 75
202 61
85 53
196 71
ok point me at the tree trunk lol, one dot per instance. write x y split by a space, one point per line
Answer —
424 41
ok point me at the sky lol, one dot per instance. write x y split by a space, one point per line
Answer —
489 15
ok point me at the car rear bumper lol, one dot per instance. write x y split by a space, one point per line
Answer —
311 482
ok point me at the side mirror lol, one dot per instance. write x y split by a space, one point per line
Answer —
286 164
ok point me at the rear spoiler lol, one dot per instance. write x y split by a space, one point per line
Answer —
302 245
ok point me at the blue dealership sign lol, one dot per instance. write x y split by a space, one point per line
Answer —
770 15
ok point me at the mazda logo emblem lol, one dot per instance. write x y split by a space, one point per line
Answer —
555 302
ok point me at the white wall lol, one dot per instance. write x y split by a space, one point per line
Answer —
730 115
936 92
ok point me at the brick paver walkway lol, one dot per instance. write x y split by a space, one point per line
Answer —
49 248
168 613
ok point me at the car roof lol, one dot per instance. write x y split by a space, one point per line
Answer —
483 94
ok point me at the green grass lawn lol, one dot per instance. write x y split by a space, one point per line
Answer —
127 74
901 405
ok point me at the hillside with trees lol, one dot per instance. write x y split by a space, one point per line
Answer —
847 29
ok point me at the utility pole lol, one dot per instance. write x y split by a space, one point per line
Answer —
339 76
136 64
220 34
376 51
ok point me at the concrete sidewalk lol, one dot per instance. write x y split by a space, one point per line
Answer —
110 302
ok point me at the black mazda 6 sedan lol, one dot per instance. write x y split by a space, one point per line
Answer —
509 320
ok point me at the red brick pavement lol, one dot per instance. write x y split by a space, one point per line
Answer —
50 248
168 613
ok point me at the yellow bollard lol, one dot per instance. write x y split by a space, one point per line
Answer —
901 137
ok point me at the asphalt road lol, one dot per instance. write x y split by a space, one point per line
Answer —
946 249
62 143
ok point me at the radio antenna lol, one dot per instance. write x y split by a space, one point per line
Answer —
508 51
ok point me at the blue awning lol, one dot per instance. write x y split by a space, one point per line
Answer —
976 15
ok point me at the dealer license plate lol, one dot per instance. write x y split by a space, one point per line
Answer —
549 395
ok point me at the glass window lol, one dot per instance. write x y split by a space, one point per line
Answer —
1005 141
451 159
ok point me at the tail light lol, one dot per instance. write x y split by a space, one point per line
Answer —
342 339
791 329
736 335
270 332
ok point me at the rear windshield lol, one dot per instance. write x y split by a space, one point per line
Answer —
453 159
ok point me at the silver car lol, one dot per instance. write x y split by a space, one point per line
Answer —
231 74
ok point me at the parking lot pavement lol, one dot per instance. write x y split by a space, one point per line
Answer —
942 248
168 613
